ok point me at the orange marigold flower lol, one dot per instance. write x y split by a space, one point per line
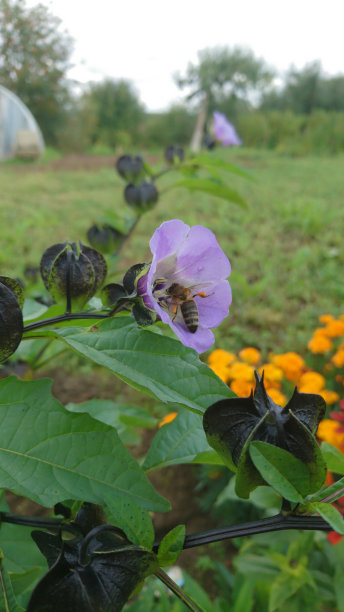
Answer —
330 397
272 385
326 318
319 343
251 355
338 358
278 397
221 357
168 418
241 371
242 388
291 364
334 328
328 432
221 371
272 374
312 380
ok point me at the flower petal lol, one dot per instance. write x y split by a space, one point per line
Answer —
200 259
200 341
214 308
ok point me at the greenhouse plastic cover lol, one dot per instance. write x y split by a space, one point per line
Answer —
17 124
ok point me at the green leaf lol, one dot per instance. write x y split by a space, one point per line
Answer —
24 582
177 442
33 310
123 417
284 472
208 457
126 514
217 189
171 546
8 602
330 514
15 538
214 162
285 586
49 454
335 491
339 587
333 458
161 367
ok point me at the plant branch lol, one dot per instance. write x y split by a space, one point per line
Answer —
64 317
33 521
177 590
275 523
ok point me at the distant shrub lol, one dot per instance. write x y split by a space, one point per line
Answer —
288 132
174 126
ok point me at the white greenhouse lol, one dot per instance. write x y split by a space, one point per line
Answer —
20 135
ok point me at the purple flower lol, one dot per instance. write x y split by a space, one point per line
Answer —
224 131
188 267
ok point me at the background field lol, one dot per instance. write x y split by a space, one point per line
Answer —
286 248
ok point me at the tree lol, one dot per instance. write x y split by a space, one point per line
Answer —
306 90
223 77
34 57
117 108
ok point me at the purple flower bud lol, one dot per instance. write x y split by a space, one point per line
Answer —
186 282
224 131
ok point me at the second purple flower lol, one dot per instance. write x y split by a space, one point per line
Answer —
186 282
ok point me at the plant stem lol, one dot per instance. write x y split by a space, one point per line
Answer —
177 590
67 316
274 523
32 521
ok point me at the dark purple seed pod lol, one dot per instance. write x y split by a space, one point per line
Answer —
11 317
232 424
72 272
142 197
104 238
174 154
209 142
130 167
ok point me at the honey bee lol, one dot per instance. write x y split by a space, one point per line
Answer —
182 297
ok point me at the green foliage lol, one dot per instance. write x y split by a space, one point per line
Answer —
34 56
295 134
134 355
116 110
171 546
43 451
178 442
307 90
223 73
129 516
173 126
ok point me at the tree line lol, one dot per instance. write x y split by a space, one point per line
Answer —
35 56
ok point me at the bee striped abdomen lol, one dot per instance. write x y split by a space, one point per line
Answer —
190 315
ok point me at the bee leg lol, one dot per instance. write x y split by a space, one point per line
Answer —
174 310
203 294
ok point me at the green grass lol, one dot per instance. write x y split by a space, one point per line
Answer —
285 249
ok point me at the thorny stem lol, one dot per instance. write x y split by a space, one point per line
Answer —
177 590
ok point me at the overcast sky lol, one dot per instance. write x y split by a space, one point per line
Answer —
147 41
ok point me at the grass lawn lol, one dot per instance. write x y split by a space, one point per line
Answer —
286 248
